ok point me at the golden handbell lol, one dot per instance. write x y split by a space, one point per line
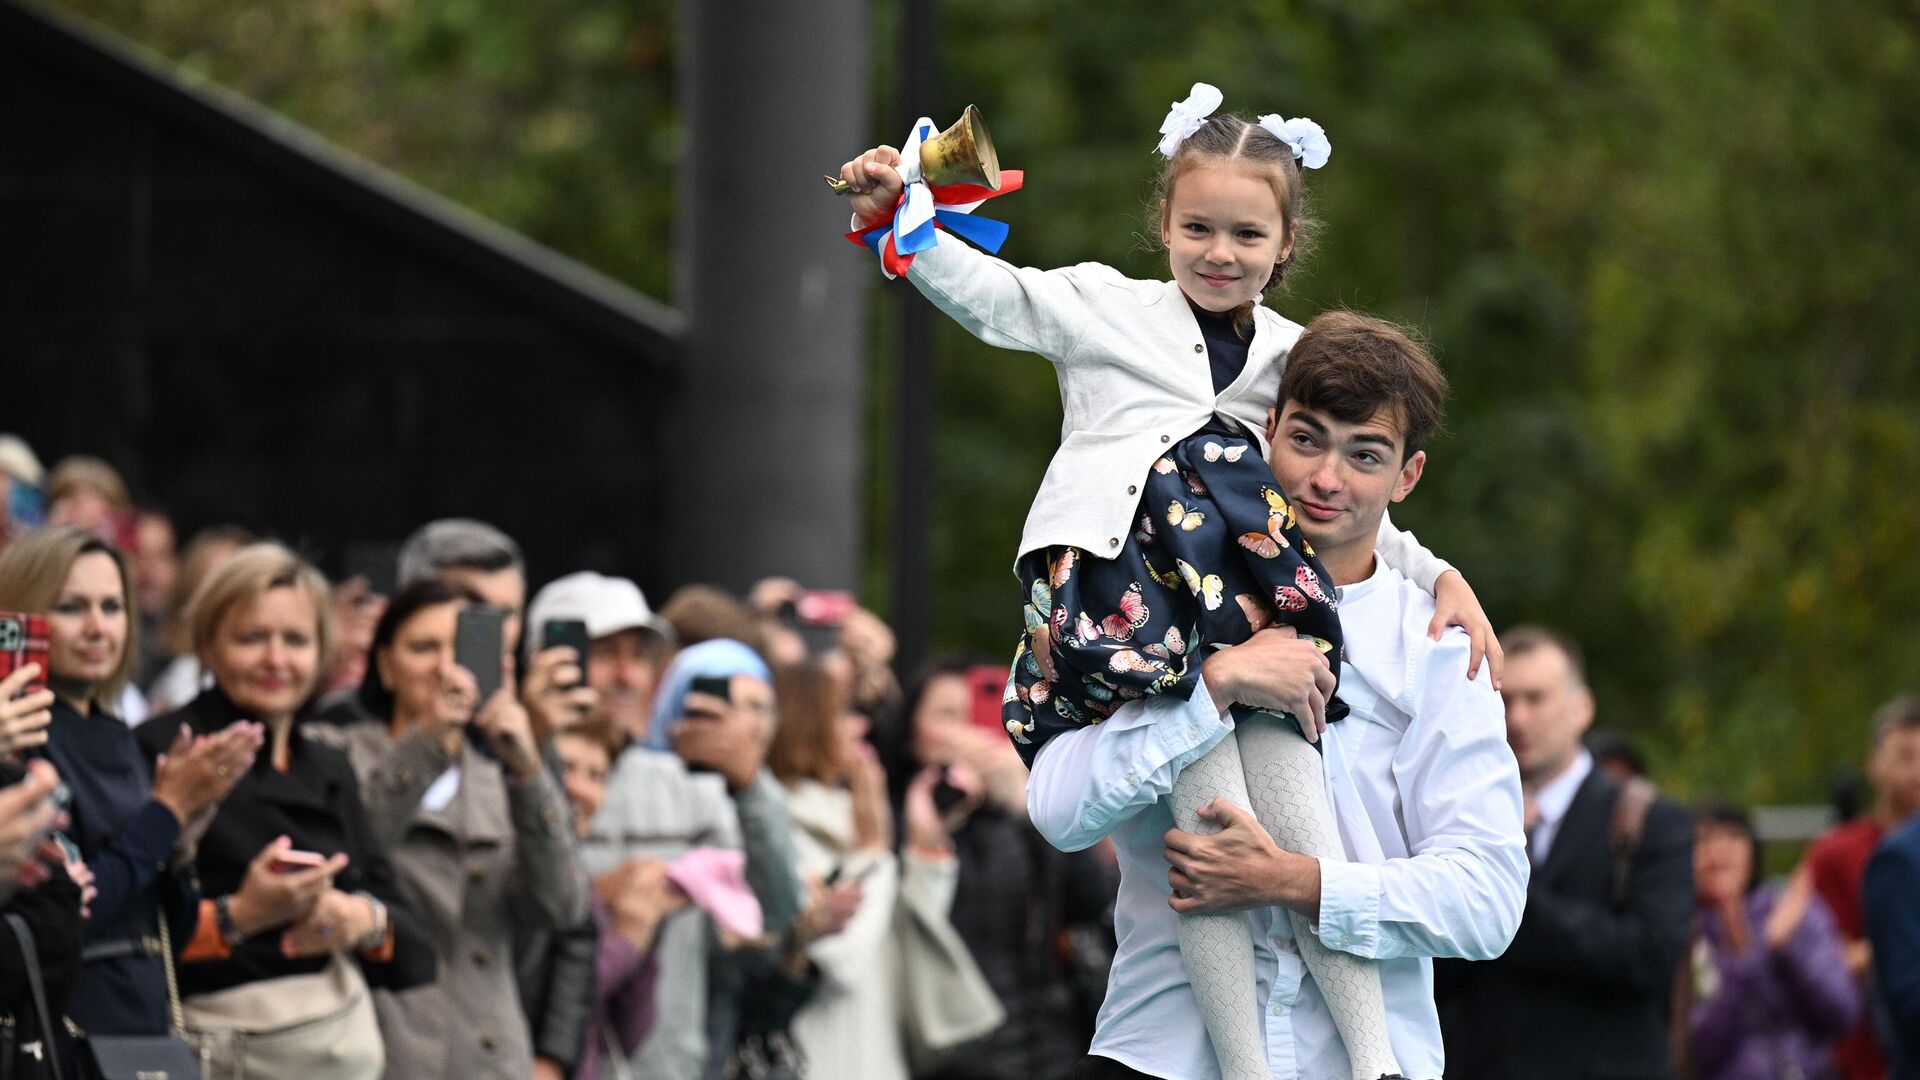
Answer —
962 154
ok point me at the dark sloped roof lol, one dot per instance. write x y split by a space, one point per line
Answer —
571 292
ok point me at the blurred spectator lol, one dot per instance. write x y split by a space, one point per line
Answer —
21 474
628 907
89 493
479 839
792 630
1035 919
49 908
156 570
1616 754
135 830
700 613
1770 991
843 835
1893 927
356 612
181 680
474 556
1837 862
1585 987
276 977
698 781
629 644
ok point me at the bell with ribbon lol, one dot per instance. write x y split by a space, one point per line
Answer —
947 174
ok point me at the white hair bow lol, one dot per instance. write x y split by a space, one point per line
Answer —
1308 139
1186 116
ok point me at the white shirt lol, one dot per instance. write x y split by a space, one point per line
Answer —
1552 800
1134 378
1426 797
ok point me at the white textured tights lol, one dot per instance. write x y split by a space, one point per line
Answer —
1269 768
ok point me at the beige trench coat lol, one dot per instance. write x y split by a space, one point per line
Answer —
495 854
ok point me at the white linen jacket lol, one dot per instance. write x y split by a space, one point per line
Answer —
1134 378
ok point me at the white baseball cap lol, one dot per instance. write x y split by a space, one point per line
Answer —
607 605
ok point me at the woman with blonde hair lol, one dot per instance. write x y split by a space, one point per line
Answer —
302 911
135 827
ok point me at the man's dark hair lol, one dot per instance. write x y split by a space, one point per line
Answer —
1354 367
457 543
1525 639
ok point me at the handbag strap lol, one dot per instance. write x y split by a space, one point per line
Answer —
175 1012
30 957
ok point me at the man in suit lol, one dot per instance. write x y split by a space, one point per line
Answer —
1585 988
1893 926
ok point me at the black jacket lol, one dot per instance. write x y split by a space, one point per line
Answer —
127 841
1585 988
555 970
316 803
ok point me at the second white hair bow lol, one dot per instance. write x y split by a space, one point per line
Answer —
1186 116
1308 139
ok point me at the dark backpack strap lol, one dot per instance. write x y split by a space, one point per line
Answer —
30 957
1624 830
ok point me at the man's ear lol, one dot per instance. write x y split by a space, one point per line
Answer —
1273 425
1410 472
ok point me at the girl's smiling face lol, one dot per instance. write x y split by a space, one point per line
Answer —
1224 234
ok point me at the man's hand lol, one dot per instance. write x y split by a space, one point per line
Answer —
1455 605
721 737
1238 868
554 692
1274 669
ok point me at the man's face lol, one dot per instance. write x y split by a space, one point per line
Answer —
1895 770
1547 712
503 589
1340 476
623 666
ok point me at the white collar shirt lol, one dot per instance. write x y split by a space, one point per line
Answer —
1552 800
1426 797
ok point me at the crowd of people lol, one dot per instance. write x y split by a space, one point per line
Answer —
722 843
258 823
272 823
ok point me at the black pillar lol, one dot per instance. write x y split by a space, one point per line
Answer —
771 416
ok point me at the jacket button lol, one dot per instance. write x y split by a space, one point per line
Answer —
1115 542
489 1043
476 875
481 957
1132 489
1166 438
1199 348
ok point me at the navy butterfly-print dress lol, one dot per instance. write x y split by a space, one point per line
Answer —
1215 556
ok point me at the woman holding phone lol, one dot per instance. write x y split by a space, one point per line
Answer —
478 838
301 910
134 826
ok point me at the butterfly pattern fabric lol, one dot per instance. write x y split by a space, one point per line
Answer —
1216 556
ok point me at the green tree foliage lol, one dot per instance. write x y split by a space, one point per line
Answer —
1663 251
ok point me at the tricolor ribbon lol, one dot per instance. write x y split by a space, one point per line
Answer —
923 209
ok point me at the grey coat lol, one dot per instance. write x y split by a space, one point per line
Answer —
496 854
